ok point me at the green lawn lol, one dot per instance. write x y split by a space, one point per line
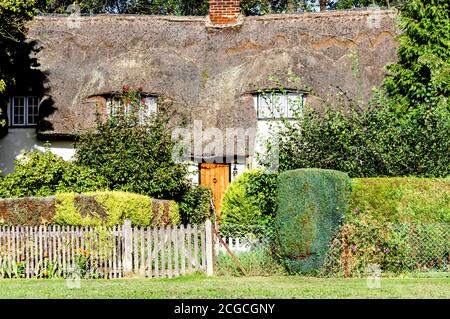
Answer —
228 287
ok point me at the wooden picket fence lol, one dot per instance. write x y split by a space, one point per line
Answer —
99 252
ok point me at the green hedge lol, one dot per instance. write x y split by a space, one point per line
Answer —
250 199
401 199
109 208
400 224
311 206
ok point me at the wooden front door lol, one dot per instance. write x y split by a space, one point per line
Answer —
216 177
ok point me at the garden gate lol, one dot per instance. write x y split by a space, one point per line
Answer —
99 252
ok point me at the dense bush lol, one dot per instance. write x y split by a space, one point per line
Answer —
195 205
237 206
311 206
368 141
250 199
44 174
100 208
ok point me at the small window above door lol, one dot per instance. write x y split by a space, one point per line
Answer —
278 105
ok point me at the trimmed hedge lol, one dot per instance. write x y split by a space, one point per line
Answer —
109 208
311 206
401 199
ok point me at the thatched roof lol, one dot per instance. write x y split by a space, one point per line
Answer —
208 72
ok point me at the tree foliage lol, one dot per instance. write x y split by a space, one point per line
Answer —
367 141
200 7
14 14
422 71
45 174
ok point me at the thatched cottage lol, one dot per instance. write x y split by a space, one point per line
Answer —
210 67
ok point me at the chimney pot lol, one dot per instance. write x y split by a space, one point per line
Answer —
224 11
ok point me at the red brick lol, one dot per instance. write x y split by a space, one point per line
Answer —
224 11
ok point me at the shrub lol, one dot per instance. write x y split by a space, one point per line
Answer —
102 208
237 206
250 199
195 205
311 206
44 174
263 187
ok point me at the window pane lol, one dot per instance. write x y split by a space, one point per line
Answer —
265 106
18 111
113 105
279 105
33 110
295 104
150 104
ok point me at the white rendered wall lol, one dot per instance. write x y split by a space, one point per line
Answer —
19 140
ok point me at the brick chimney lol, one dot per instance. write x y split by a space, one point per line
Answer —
222 12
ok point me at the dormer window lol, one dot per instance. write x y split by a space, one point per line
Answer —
23 110
277 105
116 106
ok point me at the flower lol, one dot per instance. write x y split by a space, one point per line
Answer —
125 88
387 250
353 248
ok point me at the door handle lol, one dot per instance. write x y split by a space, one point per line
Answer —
214 180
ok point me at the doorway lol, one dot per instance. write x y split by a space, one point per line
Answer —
217 178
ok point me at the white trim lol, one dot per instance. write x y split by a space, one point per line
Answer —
259 99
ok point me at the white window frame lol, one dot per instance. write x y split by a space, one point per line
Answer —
287 112
150 103
26 122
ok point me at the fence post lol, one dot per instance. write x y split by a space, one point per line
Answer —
127 261
209 248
